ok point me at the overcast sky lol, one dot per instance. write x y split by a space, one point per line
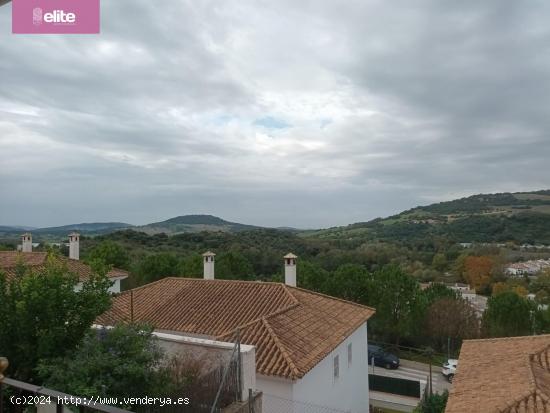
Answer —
277 113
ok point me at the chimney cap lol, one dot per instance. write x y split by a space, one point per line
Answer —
290 255
208 254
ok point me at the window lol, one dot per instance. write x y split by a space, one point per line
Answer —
350 355
336 367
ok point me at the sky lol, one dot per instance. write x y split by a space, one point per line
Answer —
278 113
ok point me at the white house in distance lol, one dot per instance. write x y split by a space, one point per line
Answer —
310 348
35 261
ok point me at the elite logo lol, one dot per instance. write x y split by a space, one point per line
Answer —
55 16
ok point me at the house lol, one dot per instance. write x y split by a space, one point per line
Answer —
531 267
310 348
478 302
35 261
504 375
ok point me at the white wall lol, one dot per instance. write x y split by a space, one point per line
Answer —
277 394
349 392
211 352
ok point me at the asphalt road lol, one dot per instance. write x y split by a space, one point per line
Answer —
413 370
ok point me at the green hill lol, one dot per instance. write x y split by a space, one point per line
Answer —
193 223
522 217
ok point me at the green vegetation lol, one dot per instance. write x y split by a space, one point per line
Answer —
42 317
435 403
120 362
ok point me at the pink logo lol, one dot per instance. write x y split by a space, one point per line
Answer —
55 16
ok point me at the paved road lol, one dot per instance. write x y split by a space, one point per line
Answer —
413 370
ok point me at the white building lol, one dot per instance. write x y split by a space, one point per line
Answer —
310 349
36 261
531 267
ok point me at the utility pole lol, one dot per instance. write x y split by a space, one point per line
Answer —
430 352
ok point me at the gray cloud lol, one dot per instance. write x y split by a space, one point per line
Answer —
274 113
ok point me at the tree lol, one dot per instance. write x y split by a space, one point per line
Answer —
398 302
435 403
311 276
508 315
439 262
478 271
350 282
191 266
233 265
450 318
501 287
41 315
125 361
436 291
541 287
156 266
110 253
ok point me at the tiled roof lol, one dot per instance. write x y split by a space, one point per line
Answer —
504 375
36 261
293 329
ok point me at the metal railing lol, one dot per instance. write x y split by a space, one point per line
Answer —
55 397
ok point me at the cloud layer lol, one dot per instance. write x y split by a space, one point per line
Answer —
285 113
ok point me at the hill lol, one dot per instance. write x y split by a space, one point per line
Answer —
522 217
194 223
93 228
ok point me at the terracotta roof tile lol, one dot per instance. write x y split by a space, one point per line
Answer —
504 375
293 329
36 261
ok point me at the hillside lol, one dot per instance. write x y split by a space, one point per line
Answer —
193 223
507 217
51 233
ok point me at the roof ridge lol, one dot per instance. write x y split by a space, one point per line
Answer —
227 281
477 340
282 349
333 298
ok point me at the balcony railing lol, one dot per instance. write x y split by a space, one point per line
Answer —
56 397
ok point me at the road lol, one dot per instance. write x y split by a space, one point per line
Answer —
413 370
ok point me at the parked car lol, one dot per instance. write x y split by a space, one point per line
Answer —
449 369
382 358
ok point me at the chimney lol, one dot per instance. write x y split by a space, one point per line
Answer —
208 259
26 242
74 246
290 269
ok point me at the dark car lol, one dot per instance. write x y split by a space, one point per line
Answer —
382 358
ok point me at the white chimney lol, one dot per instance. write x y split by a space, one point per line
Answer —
74 246
290 269
26 242
208 259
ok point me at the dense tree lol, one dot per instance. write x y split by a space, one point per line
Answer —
439 262
111 253
233 266
41 315
437 291
121 362
398 301
541 288
311 276
156 266
508 315
478 272
191 266
351 282
450 318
